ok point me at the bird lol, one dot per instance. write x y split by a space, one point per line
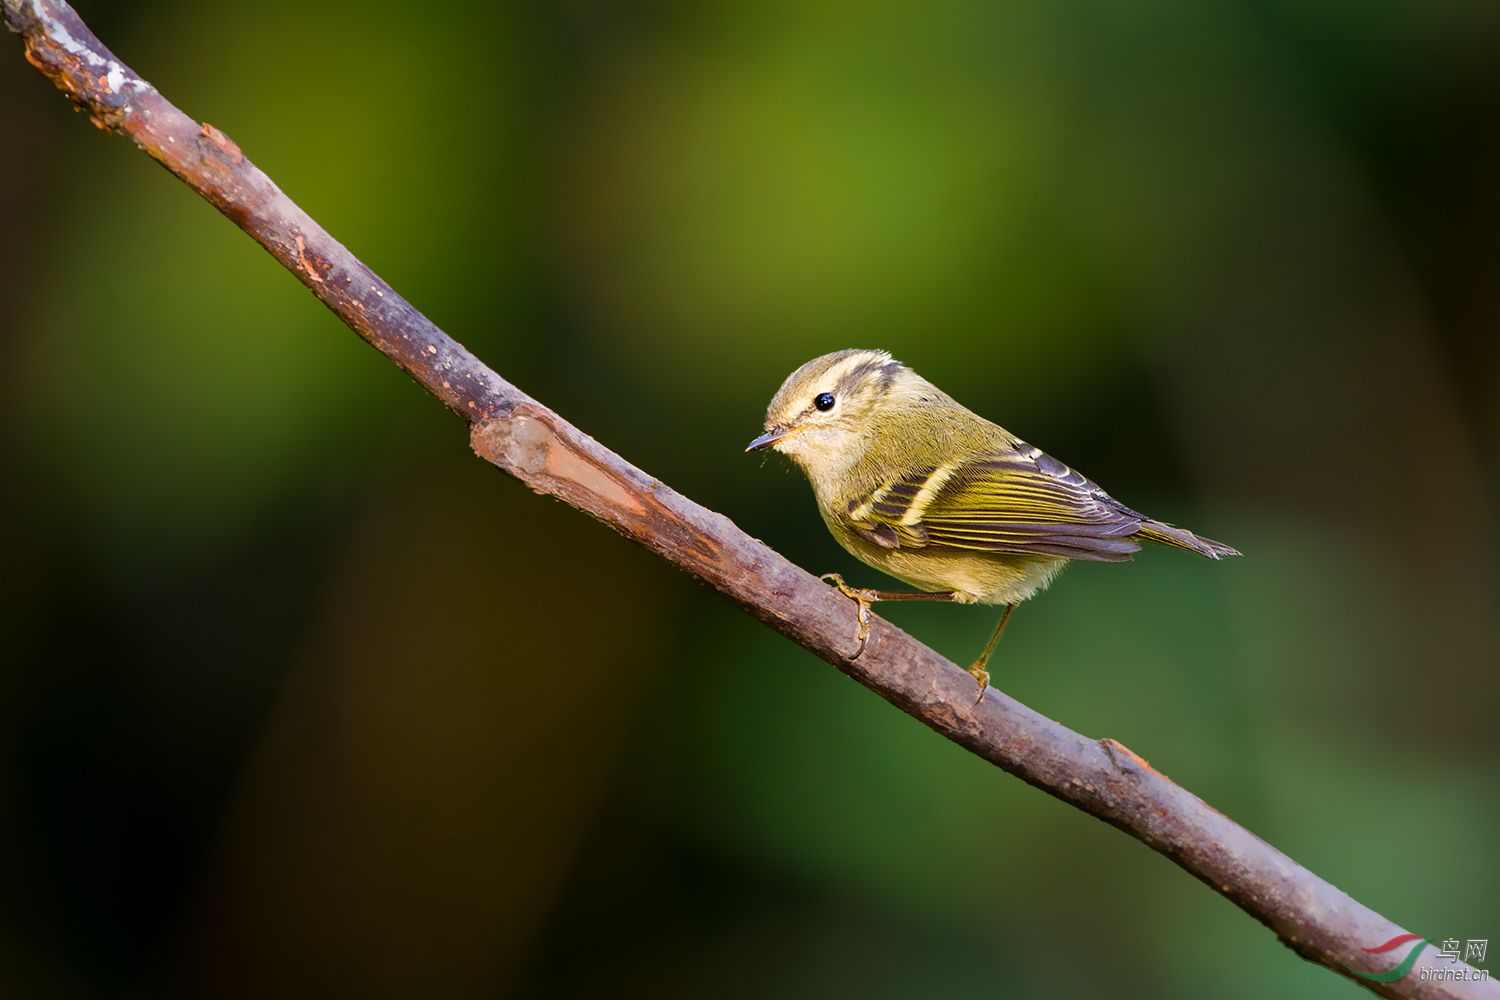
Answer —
927 491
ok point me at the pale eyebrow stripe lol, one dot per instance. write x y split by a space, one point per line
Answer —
879 367
834 377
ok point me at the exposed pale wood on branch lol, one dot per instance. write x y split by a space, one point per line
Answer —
540 448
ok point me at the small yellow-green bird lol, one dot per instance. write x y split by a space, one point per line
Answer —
924 489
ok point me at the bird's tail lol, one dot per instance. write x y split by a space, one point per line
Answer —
1179 538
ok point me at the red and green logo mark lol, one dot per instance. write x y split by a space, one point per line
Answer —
1391 975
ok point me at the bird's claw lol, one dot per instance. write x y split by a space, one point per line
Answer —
863 598
982 677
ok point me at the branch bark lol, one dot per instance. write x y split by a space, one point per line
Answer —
540 448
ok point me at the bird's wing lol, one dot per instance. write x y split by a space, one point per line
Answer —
1018 501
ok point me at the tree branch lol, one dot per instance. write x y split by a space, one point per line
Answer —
540 448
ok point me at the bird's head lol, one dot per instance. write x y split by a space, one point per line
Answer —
826 410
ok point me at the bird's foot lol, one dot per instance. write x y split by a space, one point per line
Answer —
863 598
982 677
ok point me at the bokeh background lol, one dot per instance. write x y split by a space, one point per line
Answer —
299 698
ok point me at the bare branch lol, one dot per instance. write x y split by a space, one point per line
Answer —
540 448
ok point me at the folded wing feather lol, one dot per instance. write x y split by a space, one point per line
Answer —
1023 502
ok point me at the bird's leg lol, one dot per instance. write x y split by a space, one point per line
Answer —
864 597
977 669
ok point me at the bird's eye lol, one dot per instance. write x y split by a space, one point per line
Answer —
824 402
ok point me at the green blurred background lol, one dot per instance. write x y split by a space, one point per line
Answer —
302 699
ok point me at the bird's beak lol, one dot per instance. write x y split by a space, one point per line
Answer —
769 438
